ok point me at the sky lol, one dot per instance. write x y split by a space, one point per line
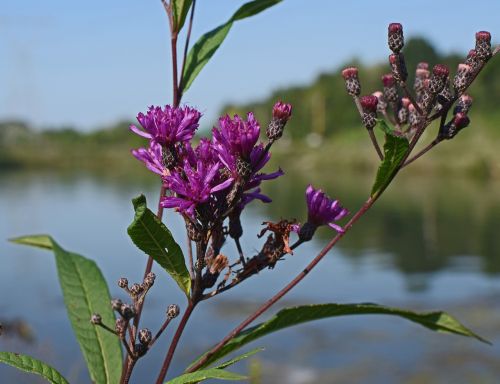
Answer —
91 63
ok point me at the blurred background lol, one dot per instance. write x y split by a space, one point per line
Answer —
73 76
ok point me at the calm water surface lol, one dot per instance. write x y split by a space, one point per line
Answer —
429 244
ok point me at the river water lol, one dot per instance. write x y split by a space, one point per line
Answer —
428 244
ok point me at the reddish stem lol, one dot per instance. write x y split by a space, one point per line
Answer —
175 341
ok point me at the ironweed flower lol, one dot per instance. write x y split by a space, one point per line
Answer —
236 136
193 186
169 125
321 210
153 158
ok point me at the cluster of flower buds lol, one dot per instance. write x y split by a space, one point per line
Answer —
434 91
127 317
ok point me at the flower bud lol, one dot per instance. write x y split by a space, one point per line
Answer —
395 37
423 65
369 105
382 104
173 311
403 111
444 96
450 130
414 117
421 74
145 336
462 78
127 311
390 90
120 327
149 280
123 282
463 104
281 114
438 78
352 83
140 349
483 45
116 304
398 67
472 60
136 289
96 319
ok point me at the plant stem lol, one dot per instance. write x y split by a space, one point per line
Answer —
422 152
287 288
175 341
375 144
128 373
364 208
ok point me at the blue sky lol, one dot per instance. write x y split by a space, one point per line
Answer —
91 63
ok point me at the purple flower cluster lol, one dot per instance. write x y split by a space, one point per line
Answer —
217 175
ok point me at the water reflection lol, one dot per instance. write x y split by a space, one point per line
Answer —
425 225
427 244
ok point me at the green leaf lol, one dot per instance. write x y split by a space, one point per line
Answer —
40 241
85 292
205 47
151 236
180 9
31 365
239 358
395 149
436 321
205 374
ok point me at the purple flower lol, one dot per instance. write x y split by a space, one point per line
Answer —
193 186
169 125
153 158
322 210
235 136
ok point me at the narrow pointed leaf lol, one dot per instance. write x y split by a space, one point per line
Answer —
437 321
180 9
395 149
31 365
151 236
205 374
40 241
239 358
85 292
205 47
